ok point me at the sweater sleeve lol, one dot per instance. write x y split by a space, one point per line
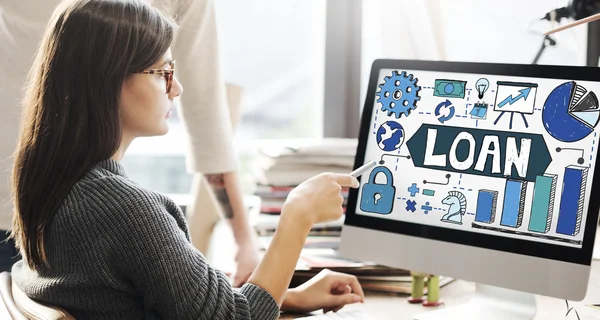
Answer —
152 251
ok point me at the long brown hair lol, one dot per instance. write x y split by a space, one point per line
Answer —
70 115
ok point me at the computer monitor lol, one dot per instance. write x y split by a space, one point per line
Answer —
486 172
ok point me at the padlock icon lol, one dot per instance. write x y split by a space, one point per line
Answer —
378 198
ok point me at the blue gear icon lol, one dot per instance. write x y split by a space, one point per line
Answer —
399 94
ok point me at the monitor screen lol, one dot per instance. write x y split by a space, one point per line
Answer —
487 155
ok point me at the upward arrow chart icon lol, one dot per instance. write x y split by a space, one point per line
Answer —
524 93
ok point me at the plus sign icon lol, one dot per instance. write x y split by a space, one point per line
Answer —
413 190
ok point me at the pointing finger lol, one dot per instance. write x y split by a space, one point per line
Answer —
345 180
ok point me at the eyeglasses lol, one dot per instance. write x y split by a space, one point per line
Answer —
167 73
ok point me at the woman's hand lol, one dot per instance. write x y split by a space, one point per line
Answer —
328 290
246 261
318 199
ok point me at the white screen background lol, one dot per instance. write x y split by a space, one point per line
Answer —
405 173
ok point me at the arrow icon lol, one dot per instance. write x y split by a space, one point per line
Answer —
446 105
524 93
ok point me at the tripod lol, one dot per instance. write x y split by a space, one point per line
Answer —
547 42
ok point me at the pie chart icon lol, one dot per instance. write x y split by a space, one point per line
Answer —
570 113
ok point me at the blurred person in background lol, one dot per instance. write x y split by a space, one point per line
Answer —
211 149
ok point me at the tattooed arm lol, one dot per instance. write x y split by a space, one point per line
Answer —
217 182
228 192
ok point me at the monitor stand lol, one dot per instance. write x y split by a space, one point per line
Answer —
489 303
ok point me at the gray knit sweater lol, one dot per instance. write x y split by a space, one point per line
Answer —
119 251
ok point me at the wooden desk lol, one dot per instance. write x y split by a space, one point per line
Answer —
397 308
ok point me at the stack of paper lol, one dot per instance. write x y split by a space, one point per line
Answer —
298 160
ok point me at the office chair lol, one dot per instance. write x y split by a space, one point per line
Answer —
21 307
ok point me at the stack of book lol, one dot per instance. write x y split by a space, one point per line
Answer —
265 225
378 279
279 168
273 197
322 253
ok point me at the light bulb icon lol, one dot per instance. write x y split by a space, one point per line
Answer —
482 85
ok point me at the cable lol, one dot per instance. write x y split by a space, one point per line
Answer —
571 309
575 9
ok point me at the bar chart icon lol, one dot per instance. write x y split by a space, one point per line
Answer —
514 203
487 201
542 207
571 200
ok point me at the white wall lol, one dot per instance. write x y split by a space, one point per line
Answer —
465 30
499 32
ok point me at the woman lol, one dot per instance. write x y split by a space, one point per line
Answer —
95 243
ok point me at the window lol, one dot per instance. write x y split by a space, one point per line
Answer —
275 51
467 30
